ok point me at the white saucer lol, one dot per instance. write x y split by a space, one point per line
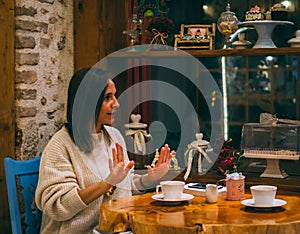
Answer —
184 197
250 202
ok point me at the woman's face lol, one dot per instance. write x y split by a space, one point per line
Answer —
109 105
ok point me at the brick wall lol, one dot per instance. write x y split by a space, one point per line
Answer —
43 64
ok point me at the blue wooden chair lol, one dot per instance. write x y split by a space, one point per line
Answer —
21 182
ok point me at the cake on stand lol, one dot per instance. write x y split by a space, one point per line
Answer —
273 142
264 29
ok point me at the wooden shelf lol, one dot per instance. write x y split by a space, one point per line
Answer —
245 52
208 53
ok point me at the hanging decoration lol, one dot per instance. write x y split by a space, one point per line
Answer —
199 147
138 131
162 29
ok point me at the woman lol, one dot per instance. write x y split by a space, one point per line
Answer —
86 162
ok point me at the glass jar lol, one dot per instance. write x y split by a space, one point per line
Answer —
227 25
134 28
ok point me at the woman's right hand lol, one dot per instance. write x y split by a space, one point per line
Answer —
117 168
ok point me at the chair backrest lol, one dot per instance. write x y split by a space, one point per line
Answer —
21 182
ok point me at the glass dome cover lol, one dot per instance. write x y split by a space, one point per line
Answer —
227 24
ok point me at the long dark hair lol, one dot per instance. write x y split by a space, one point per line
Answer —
84 105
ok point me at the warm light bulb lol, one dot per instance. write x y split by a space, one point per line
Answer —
286 3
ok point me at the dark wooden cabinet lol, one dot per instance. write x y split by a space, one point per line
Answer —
255 81
98 29
252 81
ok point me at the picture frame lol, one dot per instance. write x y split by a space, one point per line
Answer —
196 36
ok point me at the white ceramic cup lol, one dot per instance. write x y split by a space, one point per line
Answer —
171 190
263 194
211 193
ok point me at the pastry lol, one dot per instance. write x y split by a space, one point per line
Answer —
268 15
254 14
279 12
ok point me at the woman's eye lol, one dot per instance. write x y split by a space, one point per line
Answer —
107 97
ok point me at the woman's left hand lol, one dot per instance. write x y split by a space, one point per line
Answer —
162 165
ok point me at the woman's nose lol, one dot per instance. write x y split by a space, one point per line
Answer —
116 103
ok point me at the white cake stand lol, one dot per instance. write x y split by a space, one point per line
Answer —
264 29
273 169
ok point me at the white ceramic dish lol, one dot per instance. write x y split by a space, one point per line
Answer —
250 202
184 197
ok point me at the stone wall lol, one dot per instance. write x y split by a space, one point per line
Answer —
44 64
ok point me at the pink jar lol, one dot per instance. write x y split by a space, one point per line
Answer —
235 185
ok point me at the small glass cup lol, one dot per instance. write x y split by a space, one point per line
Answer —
134 29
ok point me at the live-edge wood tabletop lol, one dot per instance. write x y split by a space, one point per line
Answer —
142 214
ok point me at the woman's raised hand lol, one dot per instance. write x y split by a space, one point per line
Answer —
118 170
162 165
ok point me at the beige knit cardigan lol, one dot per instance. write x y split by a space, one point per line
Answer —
62 172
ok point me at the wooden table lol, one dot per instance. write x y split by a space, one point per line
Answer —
143 215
